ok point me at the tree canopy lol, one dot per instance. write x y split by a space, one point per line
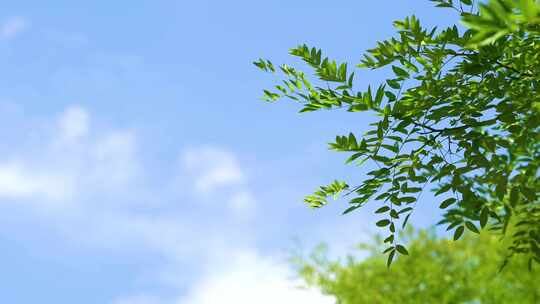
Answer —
438 271
460 116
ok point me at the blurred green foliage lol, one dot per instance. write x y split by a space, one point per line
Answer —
437 271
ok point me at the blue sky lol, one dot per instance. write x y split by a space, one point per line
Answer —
138 165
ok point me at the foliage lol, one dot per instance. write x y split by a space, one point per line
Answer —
460 115
437 271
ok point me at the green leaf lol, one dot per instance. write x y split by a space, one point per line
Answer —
514 196
394 84
447 202
407 209
389 239
383 209
443 189
383 223
390 258
412 190
458 233
401 249
391 96
391 248
400 72
484 217
453 225
368 98
500 188
351 209
407 199
471 227
354 157
394 149
359 107
405 221
380 158
342 72
379 95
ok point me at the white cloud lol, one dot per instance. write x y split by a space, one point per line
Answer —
16 181
74 123
115 157
80 163
212 168
243 277
93 161
242 203
12 27
216 174
251 278
92 183
73 161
